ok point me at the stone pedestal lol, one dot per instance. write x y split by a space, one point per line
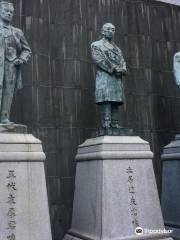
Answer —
171 186
24 212
115 191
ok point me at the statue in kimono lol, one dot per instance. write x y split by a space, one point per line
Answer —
14 52
176 68
111 67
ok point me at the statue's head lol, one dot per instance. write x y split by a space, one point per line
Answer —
6 11
108 30
176 68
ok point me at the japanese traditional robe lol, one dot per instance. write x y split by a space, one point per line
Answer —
108 58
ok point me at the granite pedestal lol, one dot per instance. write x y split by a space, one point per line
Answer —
24 212
171 186
115 191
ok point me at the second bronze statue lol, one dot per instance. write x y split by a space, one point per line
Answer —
111 67
14 52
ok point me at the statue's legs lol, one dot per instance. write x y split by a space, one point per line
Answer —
8 90
114 112
105 112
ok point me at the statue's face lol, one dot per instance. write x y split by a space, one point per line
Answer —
7 12
108 31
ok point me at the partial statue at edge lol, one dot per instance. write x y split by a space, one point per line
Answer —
176 68
111 67
14 52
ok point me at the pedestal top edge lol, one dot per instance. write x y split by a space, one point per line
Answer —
16 138
113 140
173 144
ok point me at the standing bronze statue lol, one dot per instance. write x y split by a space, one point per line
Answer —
109 85
14 52
176 68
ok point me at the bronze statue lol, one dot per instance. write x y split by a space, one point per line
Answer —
176 68
111 68
14 52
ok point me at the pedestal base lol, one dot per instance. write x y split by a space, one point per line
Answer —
24 210
115 191
16 128
170 186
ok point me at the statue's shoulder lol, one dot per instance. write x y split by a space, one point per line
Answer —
17 31
116 46
97 44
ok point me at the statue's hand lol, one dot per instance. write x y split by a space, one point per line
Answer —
18 62
124 72
118 74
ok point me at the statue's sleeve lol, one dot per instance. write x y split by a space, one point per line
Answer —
100 59
122 65
25 54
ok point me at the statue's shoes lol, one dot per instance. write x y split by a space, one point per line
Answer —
6 121
116 125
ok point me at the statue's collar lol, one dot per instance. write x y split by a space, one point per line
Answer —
110 45
9 27
107 44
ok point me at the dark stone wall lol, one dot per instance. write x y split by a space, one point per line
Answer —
57 102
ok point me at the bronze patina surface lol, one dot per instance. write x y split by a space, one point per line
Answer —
14 52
